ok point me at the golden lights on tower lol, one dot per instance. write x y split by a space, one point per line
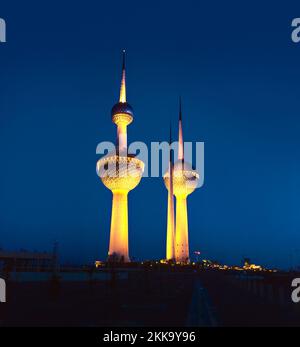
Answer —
183 182
120 173
168 178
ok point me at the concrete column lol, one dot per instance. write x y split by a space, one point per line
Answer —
181 234
122 138
118 244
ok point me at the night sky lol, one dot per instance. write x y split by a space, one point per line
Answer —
238 73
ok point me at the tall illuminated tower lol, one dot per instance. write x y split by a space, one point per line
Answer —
168 179
184 183
120 172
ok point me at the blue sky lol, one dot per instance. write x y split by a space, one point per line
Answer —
237 71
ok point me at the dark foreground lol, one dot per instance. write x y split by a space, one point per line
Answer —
153 298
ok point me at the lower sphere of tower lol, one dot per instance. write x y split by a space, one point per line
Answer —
185 179
120 172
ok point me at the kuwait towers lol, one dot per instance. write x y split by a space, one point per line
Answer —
120 172
181 181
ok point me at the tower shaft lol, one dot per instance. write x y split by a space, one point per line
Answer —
118 244
170 245
122 138
182 236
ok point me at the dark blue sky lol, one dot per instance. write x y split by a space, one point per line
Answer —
238 73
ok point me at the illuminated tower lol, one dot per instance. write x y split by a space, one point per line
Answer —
184 183
168 178
120 172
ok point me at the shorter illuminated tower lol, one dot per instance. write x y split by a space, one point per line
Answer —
120 172
168 179
185 180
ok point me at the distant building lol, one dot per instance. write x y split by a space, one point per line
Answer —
249 266
25 261
246 262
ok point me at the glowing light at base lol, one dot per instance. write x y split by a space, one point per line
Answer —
118 243
170 244
182 234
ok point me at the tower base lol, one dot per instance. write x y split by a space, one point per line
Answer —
181 234
118 244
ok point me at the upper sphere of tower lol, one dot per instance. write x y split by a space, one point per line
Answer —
121 108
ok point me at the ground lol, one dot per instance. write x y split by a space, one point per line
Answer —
147 297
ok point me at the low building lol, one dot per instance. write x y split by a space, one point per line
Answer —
26 261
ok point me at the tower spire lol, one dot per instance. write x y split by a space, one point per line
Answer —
180 135
170 143
123 82
180 110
